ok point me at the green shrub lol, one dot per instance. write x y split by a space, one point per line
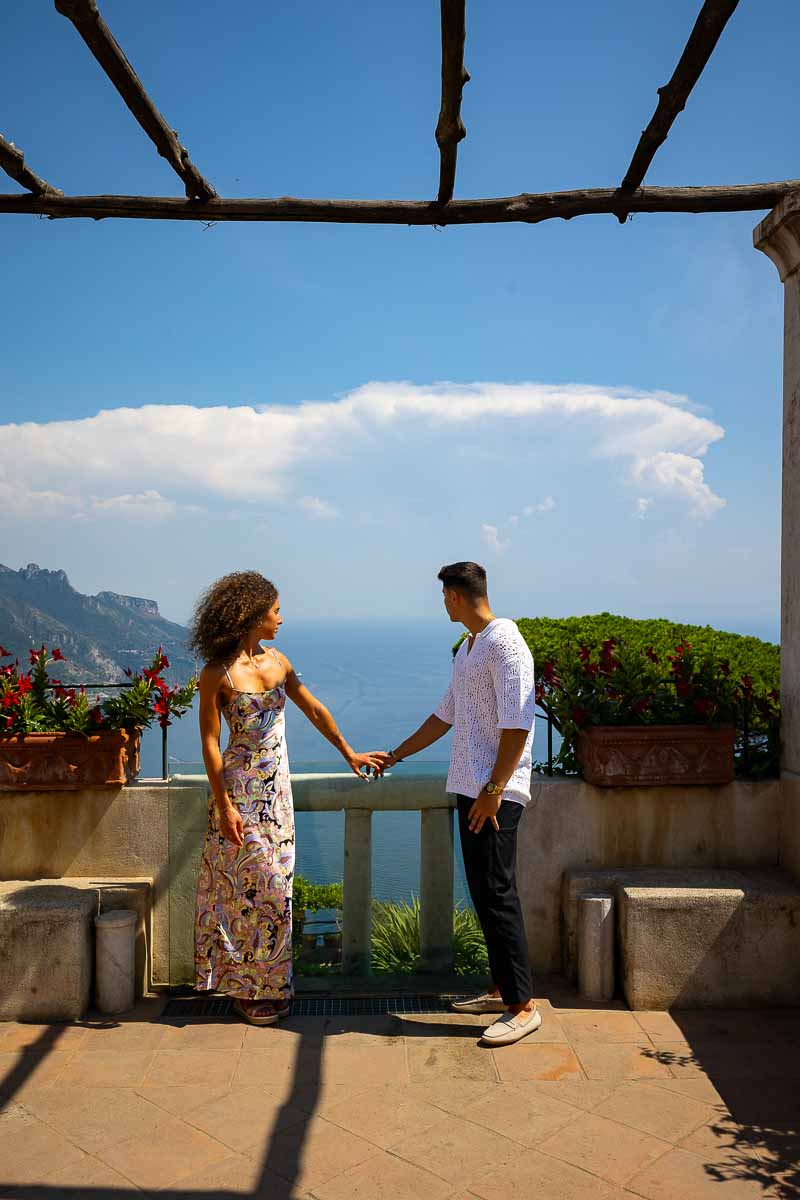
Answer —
311 897
396 939
733 678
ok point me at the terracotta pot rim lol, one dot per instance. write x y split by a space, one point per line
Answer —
71 733
679 730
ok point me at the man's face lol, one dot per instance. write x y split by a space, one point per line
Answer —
452 603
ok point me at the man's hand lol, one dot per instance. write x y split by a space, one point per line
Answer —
484 809
385 760
229 820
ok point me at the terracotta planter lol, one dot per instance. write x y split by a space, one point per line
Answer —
48 762
652 755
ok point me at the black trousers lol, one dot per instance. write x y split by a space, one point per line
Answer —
490 865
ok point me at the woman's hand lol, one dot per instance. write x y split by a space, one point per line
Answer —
362 764
229 820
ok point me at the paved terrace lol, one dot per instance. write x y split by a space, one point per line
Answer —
601 1103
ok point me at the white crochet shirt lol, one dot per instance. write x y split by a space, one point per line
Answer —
492 689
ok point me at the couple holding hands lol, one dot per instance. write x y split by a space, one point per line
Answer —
243 913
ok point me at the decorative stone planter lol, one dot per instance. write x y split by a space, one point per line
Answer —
46 762
648 755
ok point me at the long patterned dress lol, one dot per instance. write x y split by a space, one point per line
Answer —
243 912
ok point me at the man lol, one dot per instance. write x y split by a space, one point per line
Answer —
490 706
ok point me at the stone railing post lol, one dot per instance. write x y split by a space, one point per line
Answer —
357 902
778 236
436 890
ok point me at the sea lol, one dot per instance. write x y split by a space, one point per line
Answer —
380 681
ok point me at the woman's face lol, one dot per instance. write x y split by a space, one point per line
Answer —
271 622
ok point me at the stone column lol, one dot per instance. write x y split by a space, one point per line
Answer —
778 236
357 911
436 890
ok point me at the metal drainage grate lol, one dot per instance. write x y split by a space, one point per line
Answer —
205 1008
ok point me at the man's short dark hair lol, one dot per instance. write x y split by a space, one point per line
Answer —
466 577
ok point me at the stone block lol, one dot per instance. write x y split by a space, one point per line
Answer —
608 879
711 943
46 950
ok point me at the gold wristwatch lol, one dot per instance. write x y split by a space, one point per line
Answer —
492 789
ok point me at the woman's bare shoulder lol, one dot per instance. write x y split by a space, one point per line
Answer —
211 676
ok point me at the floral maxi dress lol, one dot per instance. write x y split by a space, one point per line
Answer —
243 911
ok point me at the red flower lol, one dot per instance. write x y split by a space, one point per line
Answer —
10 699
683 689
591 670
579 715
724 668
24 684
539 694
747 683
33 657
641 706
549 672
57 655
161 706
95 715
4 653
583 654
703 707
651 654
154 679
773 695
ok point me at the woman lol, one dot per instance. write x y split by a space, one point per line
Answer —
243 915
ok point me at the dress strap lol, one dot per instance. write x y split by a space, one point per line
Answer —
230 681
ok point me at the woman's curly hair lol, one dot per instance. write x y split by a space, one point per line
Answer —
226 611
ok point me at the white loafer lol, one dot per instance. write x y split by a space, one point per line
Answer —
479 1004
511 1027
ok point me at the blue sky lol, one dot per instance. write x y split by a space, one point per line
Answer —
278 380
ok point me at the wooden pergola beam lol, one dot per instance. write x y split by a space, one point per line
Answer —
450 128
501 209
12 160
672 98
86 18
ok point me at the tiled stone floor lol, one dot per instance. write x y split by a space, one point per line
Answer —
600 1103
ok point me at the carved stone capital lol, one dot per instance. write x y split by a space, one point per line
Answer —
778 235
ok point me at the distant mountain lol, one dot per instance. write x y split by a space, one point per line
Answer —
98 635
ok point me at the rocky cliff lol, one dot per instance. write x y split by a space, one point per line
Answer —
99 635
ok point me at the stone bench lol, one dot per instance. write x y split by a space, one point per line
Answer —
47 943
695 937
697 946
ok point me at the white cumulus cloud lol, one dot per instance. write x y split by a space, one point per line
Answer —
491 536
180 451
682 475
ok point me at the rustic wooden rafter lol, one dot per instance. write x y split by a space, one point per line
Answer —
501 209
708 27
450 128
86 18
12 160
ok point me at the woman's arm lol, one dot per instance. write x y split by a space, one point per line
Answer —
321 719
230 821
